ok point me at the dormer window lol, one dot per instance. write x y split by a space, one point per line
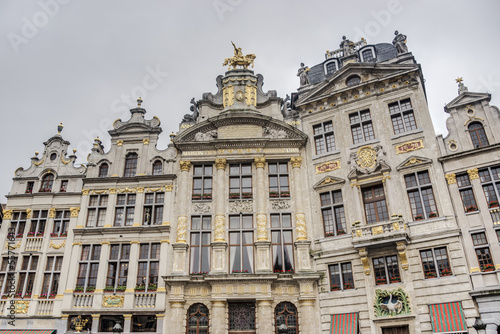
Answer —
368 56
157 167
478 135
47 182
353 81
130 165
103 170
330 66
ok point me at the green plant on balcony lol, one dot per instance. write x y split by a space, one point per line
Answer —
340 232
493 204
152 287
418 217
395 279
274 194
433 214
121 288
348 286
78 288
430 274
140 287
109 288
335 287
196 196
246 195
380 281
445 272
234 195
90 289
329 234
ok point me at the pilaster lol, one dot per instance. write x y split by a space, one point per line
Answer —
265 316
219 317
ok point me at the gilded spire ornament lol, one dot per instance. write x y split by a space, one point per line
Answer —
239 59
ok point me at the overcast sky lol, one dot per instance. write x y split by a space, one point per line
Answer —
84 63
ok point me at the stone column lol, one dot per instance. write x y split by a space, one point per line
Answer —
265 316
307 316
302 244
95 323
219 246
81 218
139 201
133 265
101 275
70 282
127 323
180 247
263 246
177 323
477 188
218 318
159 322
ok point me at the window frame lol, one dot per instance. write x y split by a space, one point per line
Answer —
202 173
379 217
47 183
366 131
7 273
420 189
154 209
100 210
199 248
343 273
289 312
281 230
488 180
141 328
152 263
280 190
157 168
53 274
117 276
103 170
18 222
485 259
91 261
61 221
237 193
26 283
324 137
466 192
194 311
241 230
478 135
405 117
438 271
388 276
130 168
38 223
125 203
337 213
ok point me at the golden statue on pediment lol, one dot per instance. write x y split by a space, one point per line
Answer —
239 59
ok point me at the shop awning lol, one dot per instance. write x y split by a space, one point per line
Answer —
27 331
448 318
346 323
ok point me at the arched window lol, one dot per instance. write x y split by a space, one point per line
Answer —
286 313
197 319
103 170
130 165
368 56
331 67
47 182
477 134
353 80
157 167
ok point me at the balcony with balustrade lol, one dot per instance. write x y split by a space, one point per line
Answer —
383 233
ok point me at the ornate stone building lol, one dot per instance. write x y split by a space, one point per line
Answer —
326 212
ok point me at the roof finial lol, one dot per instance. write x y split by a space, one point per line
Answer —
459 80
461 87
139 102
59 128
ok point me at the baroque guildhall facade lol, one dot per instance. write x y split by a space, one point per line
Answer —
337 210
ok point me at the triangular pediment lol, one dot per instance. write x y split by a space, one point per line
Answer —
465 99
328 181
413 161
370 74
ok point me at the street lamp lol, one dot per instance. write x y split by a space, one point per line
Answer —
479 326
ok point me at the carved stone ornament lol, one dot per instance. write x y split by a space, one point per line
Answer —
181 229
363 254
300 226
220 228
473 173
22 306
367 159
7 214
228 96
270 132
241 206
296 162
279 205
202 208
391 303
220 163
112 301
28 213
451 178
262 227
52 213
185 165
260 162
53 245
74 212
401 247
251 95
206 136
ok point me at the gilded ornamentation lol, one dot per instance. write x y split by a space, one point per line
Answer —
8 246
181 229
74 212
228 96
401 247
169 188
367 159
391 303
412 161
119 143
52 213
220 228
296 162
260 162
262 227
251 95
139 189
377 230
451 178
53 245
126 190
279 205
112 190
85 191
145 141
185 165
112 301
239 59
22 306
65 161
363 254
220 163
28 213
39 162
7 214
300 226
99 192
241 206
473 173
410 146
328 167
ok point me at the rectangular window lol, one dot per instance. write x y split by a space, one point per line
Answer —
332 210
18 224
88 268
201 227
130 165
386 270
61 223
51 276
125 209
119 256
375 204
97 210
341 276
240 181
144 323
324 139
7 274
482 251
361 126
153 208
466 193
64 186
421 196
29 187
278 180
241 243
27 276
282 242
402 116
148 267
202 182
435 262
490 180
38 223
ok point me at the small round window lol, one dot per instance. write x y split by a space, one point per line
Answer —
353 80
470 112
53 156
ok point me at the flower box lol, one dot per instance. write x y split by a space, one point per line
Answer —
418 217
492 204
152 287
246 195
329 234
335 288
140 288
348 286
199 273
121 288
5 296
63 235
430 274
285 194
109 289
39 234
54 235
234 195
433 214
45 190
207 196
19 235
395 279
380 281
31 234
27 295
240 271
289 271
274 194
78 289
471 208
195 197
18 296
90 289
340 232
488 267
445 272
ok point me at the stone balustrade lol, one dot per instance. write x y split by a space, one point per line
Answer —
495 216
34 244
394 230
145 300
83 300
45 307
